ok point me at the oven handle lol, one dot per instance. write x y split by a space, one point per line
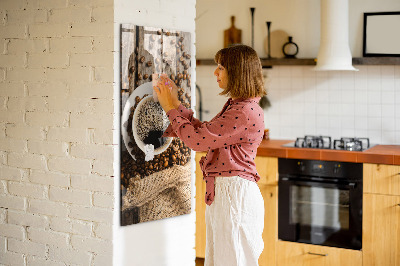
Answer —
297 181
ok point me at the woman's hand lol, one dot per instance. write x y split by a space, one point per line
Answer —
164 94
174 92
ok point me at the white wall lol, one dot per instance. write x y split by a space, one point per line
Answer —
299 18
56 119
169 241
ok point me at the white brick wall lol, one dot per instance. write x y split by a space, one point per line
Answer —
56 127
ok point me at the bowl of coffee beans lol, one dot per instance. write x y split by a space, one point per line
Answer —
148 125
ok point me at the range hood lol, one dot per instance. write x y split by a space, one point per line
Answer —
334 51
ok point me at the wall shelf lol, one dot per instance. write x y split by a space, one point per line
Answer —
312 61
376 61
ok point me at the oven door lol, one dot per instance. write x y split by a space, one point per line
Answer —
320 212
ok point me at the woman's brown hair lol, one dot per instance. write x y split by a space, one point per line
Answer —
245 78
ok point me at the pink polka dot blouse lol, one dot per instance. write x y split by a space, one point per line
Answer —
231 139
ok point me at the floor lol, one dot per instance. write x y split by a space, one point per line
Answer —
199 262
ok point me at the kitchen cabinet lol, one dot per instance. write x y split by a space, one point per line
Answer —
270 233
381 179
381 230
381 215
267 168
200 209
291 253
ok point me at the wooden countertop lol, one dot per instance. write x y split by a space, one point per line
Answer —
379 154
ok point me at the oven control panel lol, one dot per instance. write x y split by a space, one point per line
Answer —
330 169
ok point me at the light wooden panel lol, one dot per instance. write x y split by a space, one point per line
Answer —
381 230
267 168
200 209
381 179
297 254
270 233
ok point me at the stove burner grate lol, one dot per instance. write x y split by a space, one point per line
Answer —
321 142
351 144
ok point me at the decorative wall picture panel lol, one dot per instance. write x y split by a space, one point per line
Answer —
155 171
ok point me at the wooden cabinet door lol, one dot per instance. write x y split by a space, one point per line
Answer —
298 254
267 168
200 209
381 230
270 233
381 179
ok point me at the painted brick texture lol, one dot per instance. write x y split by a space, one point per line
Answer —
56 132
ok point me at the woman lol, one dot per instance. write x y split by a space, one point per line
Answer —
235 207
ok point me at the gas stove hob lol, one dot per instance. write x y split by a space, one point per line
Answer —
325 142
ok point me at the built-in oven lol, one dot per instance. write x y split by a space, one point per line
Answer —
320 202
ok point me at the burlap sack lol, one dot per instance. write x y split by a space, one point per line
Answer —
161 195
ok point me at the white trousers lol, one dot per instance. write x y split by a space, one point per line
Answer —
234 223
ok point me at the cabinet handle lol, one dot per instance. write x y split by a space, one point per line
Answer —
318 254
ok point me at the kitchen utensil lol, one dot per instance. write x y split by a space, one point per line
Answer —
232 35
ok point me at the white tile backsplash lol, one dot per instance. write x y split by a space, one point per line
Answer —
322 121
322 109
374 123
322 95
390 136
374 97
374 110
388 97
387 124
364 103
347 123
397 123
348 95
375 136
347 110
361 123
335 95
387 111
397 111
387 72
388 83
374 83
361 110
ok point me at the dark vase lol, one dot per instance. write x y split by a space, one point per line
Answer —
290 49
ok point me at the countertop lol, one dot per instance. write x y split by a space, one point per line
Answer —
379 154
